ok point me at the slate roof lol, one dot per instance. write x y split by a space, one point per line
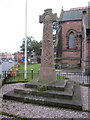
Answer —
72 15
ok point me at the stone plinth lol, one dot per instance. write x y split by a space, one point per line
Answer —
47 71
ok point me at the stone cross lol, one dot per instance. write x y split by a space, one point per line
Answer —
47 71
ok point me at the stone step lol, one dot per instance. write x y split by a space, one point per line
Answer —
74 103
67 94
59 85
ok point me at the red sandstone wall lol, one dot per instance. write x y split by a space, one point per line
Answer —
86 53
66 26
70 61
71 54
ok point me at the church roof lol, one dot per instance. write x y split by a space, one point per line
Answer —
73 14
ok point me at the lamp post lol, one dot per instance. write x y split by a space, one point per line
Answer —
26 40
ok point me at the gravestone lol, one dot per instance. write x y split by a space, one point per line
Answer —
47 71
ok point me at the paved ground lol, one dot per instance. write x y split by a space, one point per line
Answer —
0 68
71 70
6 65
35 111
74 75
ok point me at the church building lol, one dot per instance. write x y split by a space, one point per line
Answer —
72 46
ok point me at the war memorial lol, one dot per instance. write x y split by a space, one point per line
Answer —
47 90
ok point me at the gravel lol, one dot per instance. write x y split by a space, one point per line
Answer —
35 111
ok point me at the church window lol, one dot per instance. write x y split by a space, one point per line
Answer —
71 41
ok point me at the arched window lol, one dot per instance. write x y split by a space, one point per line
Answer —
71 40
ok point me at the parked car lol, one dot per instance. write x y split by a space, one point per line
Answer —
10 61
1 61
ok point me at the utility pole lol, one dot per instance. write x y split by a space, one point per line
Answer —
26 40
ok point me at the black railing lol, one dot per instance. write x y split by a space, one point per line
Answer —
78 77
18 76
72 76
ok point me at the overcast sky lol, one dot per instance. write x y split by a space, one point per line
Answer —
12 19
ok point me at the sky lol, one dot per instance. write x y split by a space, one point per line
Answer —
12 19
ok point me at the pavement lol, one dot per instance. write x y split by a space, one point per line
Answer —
6 65
0 75
70 70
0 69
73 74
35 111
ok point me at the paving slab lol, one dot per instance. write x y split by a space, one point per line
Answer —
59 85
74 103
69 98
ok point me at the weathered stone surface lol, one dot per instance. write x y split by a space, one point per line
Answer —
53 91
47 71
58 86
69 98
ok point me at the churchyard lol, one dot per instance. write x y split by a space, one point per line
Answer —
46 89
32 73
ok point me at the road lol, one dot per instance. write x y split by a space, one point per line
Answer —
4 68
6 65
0 70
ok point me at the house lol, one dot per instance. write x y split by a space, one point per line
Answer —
73 39
18 57
6 56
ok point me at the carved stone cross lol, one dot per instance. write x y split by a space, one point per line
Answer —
48 17
47 71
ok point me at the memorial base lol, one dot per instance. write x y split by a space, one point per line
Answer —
47 75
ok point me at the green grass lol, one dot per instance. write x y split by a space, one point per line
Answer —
61 77
17 117
20 76
35 67
35 75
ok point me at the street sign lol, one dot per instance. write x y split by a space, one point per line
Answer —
23 59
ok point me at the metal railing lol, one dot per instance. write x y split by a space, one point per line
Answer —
78 77
18 76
